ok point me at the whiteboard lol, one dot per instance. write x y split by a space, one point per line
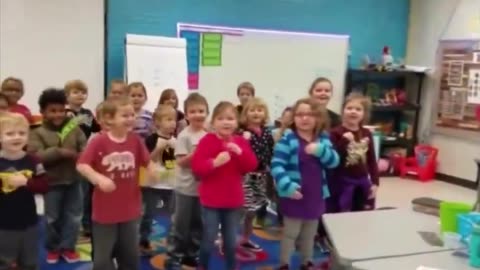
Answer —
45 44
159 63
281 65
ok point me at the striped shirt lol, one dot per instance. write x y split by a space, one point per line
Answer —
144 124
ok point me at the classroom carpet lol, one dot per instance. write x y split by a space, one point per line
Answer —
268 238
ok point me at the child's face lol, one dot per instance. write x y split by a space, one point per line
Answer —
322 92
123 119
304 118
256 115
244 94
13 90
196 114
137 97
77 97
226 123
286 117
14 137
55 114
171 100
117 91
167 124
3 105
353 112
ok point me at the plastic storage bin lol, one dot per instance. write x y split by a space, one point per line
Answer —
449 212
465 225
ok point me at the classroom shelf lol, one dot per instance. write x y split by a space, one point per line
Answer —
397 115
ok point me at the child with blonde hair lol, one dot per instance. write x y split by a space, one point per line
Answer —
253 125
137 94
358 169
298 167
21 175
169 97
220 162
117 90
245 91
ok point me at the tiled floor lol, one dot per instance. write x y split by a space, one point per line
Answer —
396 192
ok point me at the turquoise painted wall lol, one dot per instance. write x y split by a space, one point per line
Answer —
371 24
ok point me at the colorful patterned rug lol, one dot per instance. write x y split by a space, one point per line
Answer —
267 238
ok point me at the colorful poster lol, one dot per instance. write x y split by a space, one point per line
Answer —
193 57
212 49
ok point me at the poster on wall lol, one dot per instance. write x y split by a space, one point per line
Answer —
459 85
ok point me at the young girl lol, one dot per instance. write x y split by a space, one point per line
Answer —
358 166
220 161
253 121
321 90
13 89
298 166
245 91
282 124
169 97
144 119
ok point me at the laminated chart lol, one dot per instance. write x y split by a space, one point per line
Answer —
193 57
212 49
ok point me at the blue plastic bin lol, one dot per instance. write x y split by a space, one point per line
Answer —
465 224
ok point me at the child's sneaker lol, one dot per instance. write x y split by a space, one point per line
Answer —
308 266
70 256
259 223
190 262
249 245
172 264
53 257
283 267
145 248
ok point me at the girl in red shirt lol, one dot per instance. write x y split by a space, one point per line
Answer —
220 162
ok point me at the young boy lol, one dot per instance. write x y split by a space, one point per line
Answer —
13 89
186 230
118 90
112 162
57 142
21 175
77 93
245 91
162 153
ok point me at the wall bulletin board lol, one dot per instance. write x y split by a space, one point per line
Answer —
458 85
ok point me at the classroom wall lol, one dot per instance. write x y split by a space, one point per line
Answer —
370 23
46 43
430 21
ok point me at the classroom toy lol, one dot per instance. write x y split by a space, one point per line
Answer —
474 247
422 165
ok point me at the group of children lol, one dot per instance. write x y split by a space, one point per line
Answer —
109 172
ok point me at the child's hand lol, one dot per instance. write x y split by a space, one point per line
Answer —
172 142
17 180
349 136
161 144
247 135
67 153
234 148
221 159
105 184
297 195
373 192
311 148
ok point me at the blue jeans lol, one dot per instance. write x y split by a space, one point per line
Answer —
63 211
228 219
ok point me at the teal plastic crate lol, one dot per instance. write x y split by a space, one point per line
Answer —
465 225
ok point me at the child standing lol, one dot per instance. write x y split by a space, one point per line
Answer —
220 161
161 146
358 169
13 89
298 167
253 121
322 90
144 118
186 229
21 175
57 142
112 163
245 91
169 97
77 92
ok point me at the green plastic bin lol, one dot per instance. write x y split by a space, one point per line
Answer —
449 212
